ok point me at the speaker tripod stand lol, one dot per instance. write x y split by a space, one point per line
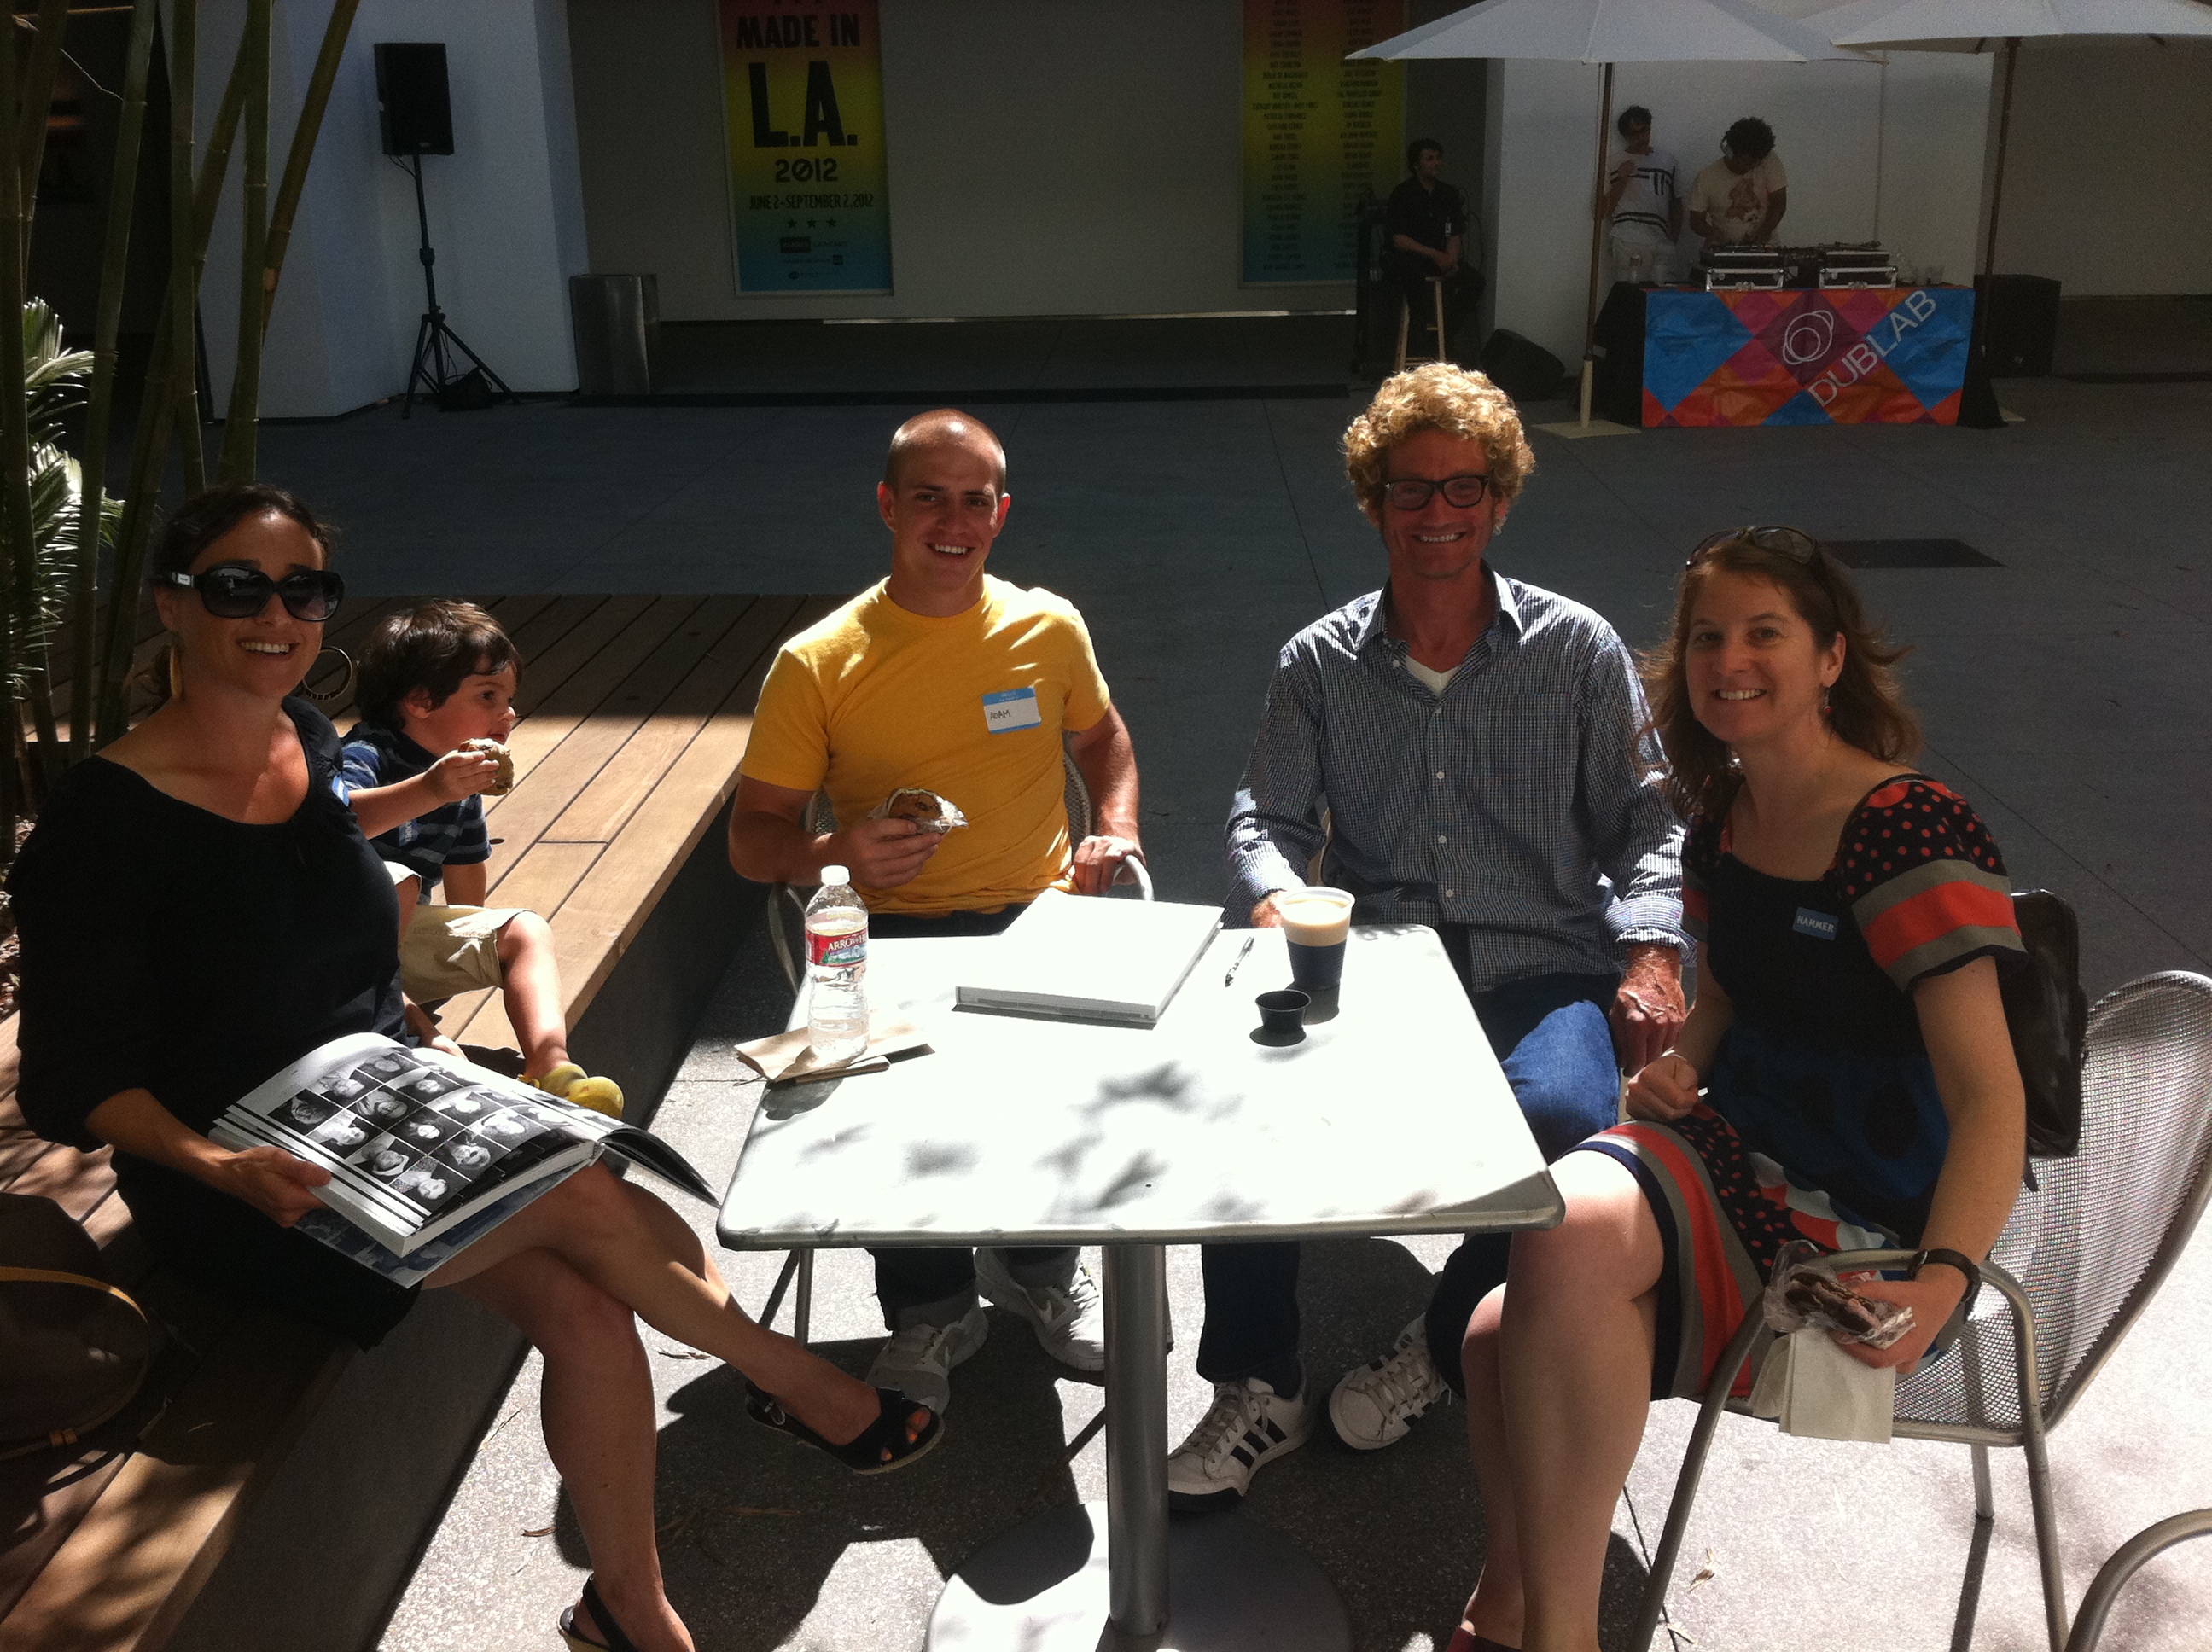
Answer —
435 367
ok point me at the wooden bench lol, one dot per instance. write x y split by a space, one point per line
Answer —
636 714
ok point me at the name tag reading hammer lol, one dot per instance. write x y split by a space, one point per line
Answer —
1011 710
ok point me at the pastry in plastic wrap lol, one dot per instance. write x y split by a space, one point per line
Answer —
924 808
504 782
1802 1292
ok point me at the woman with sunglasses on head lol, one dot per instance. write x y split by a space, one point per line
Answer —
198 908
1859 1086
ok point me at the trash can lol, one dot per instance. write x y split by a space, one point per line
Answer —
617 323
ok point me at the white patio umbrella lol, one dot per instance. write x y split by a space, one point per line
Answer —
1610 32
2000 26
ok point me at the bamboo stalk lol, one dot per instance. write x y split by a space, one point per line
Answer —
115 257
184 286
241 418
305 133
14 433
38 100
157 408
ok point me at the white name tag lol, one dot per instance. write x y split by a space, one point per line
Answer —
1010 709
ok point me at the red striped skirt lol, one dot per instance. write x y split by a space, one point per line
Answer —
1723 1213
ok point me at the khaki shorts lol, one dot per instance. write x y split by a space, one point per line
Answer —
449 950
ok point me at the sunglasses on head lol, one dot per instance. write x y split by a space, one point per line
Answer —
1793 542
233 593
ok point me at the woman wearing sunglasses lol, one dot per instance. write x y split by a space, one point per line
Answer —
1859 1090
198 908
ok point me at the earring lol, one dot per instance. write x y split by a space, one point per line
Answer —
345 684
176 673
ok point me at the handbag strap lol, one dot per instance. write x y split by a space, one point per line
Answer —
52 1275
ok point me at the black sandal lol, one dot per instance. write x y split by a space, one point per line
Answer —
877 1449
615 1640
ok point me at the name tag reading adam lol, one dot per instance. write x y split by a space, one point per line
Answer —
1010 709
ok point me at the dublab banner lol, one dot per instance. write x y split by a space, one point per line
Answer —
803 97
1319 133
1807 355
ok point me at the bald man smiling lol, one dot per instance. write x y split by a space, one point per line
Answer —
947 677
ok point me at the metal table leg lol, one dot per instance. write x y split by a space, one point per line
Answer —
1120 1576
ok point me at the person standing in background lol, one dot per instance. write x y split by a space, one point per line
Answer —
1738 200
1427 221
1642 204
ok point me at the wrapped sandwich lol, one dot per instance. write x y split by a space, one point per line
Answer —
924 808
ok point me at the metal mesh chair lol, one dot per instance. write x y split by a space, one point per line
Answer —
786 933
2127 1560
2074 1269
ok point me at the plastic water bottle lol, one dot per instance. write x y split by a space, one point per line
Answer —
837 958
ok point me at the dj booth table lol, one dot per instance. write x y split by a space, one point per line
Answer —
1805 355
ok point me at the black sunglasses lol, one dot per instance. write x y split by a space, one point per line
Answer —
233 593
1793 542
1461 492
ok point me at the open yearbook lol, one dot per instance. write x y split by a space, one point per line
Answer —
427 1152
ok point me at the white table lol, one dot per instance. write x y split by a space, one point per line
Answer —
1392 1117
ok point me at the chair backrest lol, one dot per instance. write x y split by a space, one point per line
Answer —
2093 1246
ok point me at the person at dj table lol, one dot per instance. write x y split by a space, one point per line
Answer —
1428 221
1738 200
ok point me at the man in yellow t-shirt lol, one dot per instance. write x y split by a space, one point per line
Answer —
946 679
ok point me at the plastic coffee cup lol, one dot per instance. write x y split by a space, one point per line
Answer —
1316 921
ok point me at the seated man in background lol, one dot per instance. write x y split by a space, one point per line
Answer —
946 679
1429 226
1466 748
1738 200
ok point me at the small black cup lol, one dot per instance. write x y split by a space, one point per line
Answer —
1282 1017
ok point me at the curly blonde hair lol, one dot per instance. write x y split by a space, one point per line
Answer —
1436 396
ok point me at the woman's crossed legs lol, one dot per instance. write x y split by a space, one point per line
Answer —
571 1271
1557 1365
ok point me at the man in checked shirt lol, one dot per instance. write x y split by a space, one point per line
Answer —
1466 748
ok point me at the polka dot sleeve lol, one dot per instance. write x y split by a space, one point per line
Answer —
1925 883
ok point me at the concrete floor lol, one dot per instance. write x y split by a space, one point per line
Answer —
2064 692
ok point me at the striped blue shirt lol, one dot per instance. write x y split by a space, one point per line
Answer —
1517 802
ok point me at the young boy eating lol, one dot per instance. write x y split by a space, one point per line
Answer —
437 684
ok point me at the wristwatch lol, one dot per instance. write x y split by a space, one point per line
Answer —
1949 1258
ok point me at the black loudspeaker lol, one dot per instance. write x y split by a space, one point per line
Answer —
411 104
1522 368
2021 329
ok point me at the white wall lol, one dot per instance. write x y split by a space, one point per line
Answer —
505 209
1893 152
1047 157
2108 178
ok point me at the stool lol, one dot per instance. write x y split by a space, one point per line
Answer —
1405 322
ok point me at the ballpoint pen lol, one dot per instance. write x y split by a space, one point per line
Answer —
1242 953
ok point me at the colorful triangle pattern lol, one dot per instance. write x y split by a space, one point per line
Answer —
1830 355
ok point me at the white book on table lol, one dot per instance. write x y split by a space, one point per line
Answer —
1092 958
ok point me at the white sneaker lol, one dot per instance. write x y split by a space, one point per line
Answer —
1070 1324
1374 1405
918 1361
1249 1426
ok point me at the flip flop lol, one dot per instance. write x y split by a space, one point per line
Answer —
615 1640
877 1449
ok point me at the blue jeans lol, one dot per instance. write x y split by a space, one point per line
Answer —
1551 1036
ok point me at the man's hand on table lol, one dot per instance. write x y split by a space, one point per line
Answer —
1098 861
1648 1010
1268 915
883 854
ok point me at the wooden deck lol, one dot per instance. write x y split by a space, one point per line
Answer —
635 712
